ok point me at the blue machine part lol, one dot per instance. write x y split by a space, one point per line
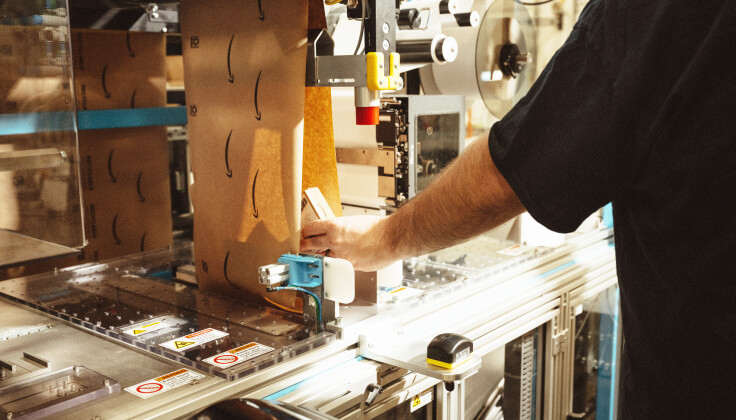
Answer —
304 271
43 122
606 398
608 215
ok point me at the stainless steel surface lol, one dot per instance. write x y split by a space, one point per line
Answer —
31 159
16 248
65 346
129 303
408 358
514 294
54 392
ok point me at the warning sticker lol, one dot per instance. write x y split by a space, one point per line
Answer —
420 401
194 339
145 328
156 386
400 293
238 355
516 250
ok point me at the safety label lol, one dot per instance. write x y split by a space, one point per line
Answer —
400 293
516 250
420 401
238 355
145 328
194 339
156 386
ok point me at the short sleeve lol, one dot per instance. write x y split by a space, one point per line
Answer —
562 148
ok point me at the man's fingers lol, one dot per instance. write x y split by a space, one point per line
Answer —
315 228
314 243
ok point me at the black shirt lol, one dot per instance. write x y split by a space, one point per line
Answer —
639 108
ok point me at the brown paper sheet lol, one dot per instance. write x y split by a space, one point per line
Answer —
320 163
244 68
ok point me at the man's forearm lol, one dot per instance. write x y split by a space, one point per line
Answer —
470 197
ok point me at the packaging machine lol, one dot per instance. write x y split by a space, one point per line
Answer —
135 336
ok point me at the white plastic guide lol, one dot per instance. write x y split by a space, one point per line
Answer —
339 280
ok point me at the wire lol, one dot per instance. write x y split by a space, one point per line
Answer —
362 26
316 299
286 308
533 3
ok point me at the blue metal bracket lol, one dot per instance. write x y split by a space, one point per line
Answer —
304 270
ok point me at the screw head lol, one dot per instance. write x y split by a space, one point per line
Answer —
386 28
386 44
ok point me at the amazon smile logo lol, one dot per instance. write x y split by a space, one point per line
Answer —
231 76
104 82
228 171
258 82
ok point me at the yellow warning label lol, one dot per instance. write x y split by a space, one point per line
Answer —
241 348
139 332
182 344
151 325
172 374
416 402
398 290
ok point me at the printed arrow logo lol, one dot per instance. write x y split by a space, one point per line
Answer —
253 194
258 82
104 82
139 332
229 171
231 77
261 15
115 230
113 178
130 48
132 99
227 257
138 188
143 242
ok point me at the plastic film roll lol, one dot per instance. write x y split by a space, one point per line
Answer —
440 49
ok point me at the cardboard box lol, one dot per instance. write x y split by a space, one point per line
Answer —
119 69
124 172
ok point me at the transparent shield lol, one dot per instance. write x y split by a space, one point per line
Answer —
40 211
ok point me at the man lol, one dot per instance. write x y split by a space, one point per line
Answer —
639 108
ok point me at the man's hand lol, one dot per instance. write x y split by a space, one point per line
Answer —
470 197
358 239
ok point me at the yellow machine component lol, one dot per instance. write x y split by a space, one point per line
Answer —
449 350
446 365
377 80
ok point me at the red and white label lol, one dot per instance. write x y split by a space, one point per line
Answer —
238 355
156 386
149 388
194 339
